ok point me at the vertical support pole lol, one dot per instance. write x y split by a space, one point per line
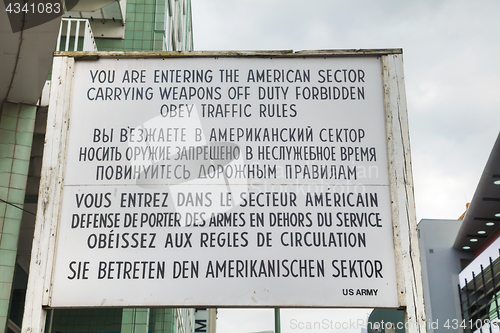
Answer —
483 280
409 278
467 314
68 35
277 320
461 301
47 217
58 46
86 39
477 298
77 34
495 293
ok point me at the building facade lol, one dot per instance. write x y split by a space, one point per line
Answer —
461 261
441 264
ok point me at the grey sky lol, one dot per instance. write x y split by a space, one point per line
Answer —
451 54
452 68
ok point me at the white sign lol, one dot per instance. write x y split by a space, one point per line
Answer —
226 182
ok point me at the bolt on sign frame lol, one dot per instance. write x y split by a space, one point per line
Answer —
226 179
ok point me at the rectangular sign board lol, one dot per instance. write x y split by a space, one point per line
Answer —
226 181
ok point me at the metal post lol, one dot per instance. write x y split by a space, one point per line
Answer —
469 313
477 298
485 293
494 287
77 34
68 34
277 320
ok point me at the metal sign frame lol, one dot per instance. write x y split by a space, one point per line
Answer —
407 257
